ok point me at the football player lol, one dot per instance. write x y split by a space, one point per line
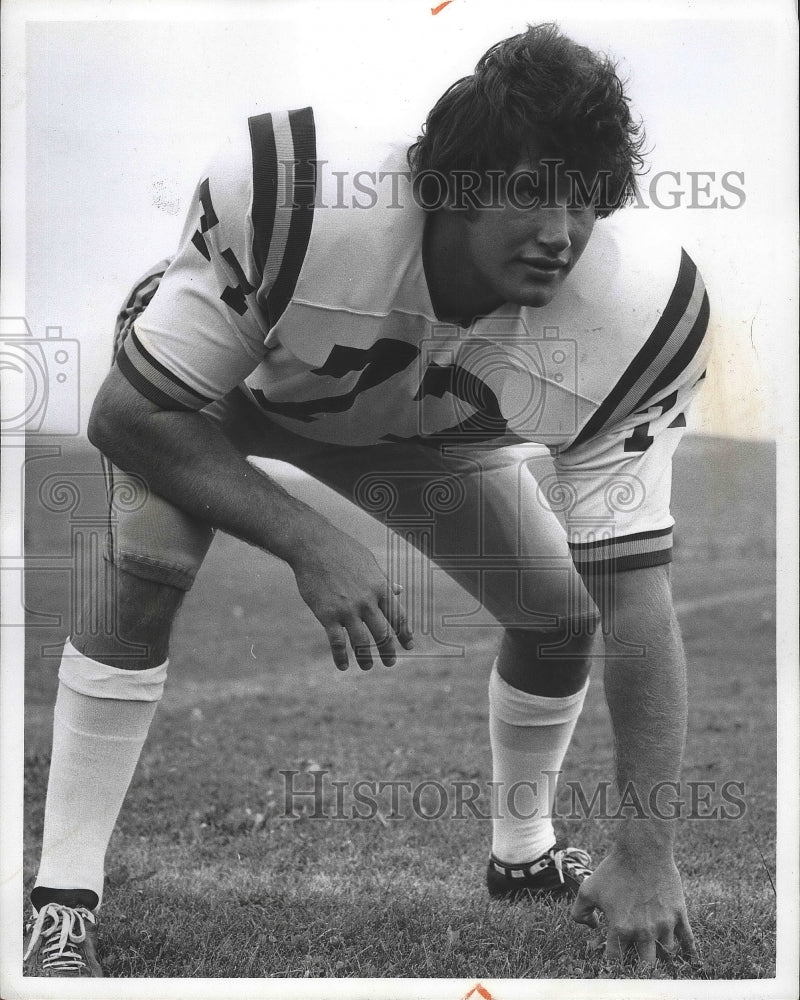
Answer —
469 299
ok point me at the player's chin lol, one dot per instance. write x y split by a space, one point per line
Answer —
535 295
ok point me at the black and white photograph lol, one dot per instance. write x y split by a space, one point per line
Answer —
399 485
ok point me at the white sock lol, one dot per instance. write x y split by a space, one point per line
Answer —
102 716
529 735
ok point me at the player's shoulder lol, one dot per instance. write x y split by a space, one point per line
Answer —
639 269
636 288
651 313
656 282
261 150
269 144
283 162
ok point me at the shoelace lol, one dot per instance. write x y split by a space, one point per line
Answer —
66 928
574 859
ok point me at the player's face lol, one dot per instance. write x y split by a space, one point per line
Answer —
524 245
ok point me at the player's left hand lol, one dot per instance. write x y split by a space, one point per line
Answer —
643 903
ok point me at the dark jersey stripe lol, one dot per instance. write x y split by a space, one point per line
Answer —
305 176
636 536
639 560
684 355
676 307
136 304
146 388
154 275
485 424
148 357
383 360
265 186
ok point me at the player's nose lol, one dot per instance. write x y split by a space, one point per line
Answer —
553 228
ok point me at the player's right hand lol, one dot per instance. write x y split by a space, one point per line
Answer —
642 899
352 598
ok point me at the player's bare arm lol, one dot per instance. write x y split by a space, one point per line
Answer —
185 458
638 886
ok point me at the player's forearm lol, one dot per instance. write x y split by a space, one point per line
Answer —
187 459
647 700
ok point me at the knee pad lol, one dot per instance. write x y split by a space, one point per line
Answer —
572 637
149 537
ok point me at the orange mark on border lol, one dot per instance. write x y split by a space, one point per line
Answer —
435 10
477 988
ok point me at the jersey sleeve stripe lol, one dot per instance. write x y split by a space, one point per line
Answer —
145 288
661 346
265 186
687 350
644 548
635 537
137 300
155 381
302 139
673 348
284 152
618 564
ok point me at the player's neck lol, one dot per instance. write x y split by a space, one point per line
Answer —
456 294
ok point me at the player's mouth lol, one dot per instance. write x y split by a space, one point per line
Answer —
545 268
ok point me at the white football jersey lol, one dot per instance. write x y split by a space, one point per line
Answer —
299 279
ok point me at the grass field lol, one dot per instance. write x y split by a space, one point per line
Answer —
207 877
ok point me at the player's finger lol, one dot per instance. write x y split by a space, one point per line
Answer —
382 634
645 952
666 941
362 646
683 932
616 947
396 614
397 588
583 909
338 645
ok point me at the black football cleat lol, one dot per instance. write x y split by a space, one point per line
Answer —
62 942
556 874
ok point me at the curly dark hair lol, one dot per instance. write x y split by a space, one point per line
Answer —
536 95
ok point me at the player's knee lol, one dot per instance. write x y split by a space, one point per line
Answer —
575 635
553 662
128 622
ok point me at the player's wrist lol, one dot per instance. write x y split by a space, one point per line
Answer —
309 534
647 841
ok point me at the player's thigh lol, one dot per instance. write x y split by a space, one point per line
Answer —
501 542
477 513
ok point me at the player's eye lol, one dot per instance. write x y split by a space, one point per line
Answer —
526 190
584 192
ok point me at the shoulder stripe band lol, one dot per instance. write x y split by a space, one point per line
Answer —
265 186
296 142
674 329
686 351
